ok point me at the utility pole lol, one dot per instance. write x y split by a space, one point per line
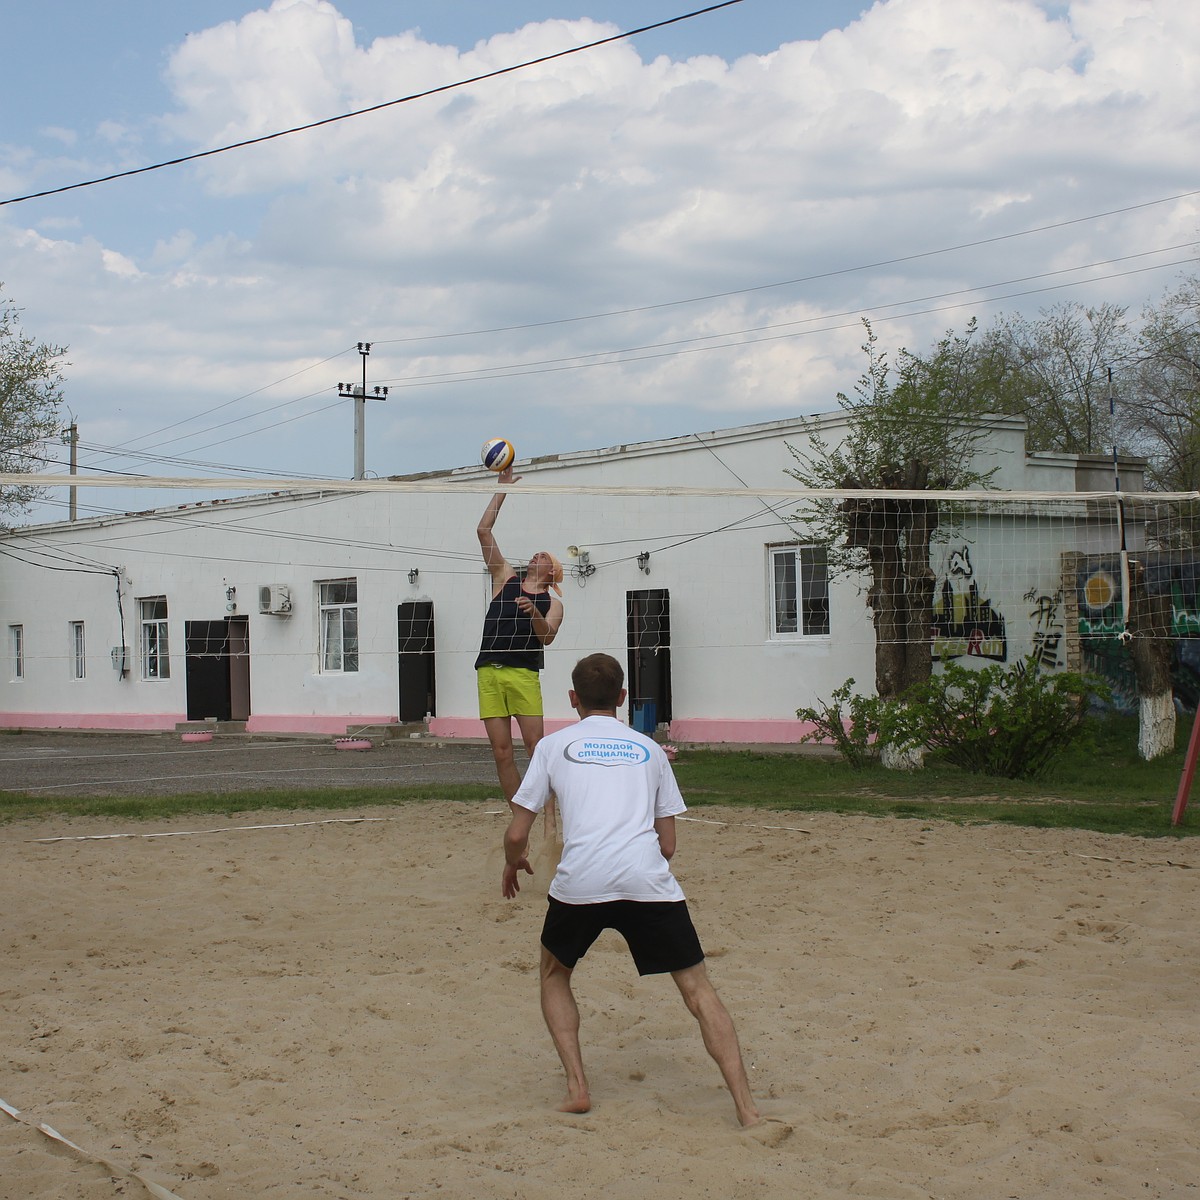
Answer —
70 435
358 393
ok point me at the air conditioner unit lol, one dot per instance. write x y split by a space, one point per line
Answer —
275 598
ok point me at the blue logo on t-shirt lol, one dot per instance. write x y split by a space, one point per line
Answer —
606 752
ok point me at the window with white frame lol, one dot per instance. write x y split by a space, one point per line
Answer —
156 659
799 591
337 603
16 649
78 655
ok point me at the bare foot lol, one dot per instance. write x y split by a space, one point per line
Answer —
749 1117
768 1131
576 1104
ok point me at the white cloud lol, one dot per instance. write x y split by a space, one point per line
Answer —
67 137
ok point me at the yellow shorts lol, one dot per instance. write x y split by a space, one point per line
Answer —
508 691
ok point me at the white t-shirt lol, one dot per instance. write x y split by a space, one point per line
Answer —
611 784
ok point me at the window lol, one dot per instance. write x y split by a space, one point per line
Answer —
16 646
156 660
78 658
799 591
338 605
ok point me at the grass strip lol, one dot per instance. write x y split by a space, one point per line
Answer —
1103 786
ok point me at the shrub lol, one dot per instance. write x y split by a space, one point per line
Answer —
1005 721
853 732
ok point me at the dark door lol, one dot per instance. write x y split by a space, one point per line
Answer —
239 668
648 623
415 630
207 669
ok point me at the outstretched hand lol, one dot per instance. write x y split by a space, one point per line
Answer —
506 476
510 885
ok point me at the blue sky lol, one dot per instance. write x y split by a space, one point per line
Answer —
650 239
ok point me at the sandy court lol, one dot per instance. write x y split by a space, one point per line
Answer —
349 1009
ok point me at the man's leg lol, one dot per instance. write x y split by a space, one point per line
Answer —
499 731
532 730
562 1019
720 1037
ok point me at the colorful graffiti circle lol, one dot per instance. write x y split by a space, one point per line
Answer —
1099 591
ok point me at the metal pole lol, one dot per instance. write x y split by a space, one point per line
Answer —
1124 550
358 393
360 418
71 437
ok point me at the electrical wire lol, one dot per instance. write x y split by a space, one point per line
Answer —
582 359
816 278
649 351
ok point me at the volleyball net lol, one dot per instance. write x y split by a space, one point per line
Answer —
1071 579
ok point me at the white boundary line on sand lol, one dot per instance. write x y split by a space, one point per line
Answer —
155 1189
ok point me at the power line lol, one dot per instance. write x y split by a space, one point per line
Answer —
815 278
446 87
639 353
579 359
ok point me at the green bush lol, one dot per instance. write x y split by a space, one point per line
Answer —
852 732
1005 721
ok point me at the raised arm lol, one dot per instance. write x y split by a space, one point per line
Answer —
498 566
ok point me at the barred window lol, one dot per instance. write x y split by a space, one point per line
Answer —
799 591
78 654
16 647
338 607
156 657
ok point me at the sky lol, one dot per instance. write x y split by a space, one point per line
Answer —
668 234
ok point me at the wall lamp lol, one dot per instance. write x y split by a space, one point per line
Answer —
413 574
643 561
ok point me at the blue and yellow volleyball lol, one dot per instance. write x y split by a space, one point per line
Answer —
497 454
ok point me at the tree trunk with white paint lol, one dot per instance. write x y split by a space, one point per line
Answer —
896 759
1152 652
1156 725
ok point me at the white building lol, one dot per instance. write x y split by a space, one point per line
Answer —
329 611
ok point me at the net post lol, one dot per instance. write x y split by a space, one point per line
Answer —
1189 770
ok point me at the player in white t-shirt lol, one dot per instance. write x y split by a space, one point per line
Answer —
617 800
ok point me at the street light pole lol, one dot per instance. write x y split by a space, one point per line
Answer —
358 393
70 435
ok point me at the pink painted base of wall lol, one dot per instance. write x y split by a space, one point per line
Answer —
160 722
148 722
688 729
472 727
307 723
709 729
692 729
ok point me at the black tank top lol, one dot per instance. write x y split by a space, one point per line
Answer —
508 636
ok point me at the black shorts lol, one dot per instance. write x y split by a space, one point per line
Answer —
660 934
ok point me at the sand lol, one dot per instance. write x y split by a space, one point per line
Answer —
334 1008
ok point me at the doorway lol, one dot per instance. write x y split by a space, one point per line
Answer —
418 692
217 669
648 628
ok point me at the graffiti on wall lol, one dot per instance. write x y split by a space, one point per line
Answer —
1176 573
964 624
1049 632
1098 582
967 624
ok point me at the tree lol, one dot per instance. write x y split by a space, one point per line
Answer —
31 384
1054 372
913 428
1151 650
1057 372
1160 410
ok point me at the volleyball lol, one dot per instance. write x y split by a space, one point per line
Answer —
497 454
